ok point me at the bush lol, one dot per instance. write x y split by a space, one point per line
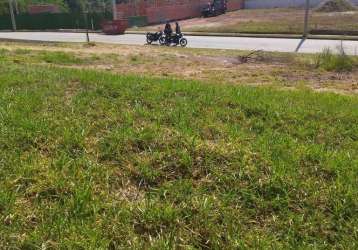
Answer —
330 61
335 6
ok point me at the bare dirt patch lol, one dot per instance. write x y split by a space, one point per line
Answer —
270 21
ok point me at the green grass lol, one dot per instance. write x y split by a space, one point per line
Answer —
42 56
92 160
60 58
339 62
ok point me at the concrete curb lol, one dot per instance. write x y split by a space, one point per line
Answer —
285 36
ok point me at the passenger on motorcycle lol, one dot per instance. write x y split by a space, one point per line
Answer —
178 34
177 28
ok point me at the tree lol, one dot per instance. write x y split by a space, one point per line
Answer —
23 4
65 5
90 5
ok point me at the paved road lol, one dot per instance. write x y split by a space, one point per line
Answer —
242 43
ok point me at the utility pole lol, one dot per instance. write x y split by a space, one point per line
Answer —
85 8
114 9
86 21
307 10
13 21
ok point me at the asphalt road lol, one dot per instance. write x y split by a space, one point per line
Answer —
241 43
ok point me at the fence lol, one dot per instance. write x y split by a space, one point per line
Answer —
48 21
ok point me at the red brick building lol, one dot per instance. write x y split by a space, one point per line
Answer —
157 11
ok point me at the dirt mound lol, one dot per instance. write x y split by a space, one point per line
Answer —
335 6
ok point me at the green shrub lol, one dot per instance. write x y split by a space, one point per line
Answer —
3 53
330 61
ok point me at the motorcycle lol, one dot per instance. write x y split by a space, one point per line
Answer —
154 37
176 39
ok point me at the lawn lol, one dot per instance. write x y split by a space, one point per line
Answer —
100 160
283 21
213 66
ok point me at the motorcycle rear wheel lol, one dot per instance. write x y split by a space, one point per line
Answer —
162 40
183 42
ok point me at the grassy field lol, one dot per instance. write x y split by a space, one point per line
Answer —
103 160
213 66
283 21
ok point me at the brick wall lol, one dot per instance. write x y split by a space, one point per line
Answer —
172 12
158 11
235 5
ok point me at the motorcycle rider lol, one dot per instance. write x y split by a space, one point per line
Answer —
159 32
168 31
210 6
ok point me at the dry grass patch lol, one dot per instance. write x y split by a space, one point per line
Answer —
284 21
215 66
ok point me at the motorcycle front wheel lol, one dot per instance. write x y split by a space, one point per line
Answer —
183 42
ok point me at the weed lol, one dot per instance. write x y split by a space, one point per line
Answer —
22 51
134 58
3 53
330 61
90 44
59 58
